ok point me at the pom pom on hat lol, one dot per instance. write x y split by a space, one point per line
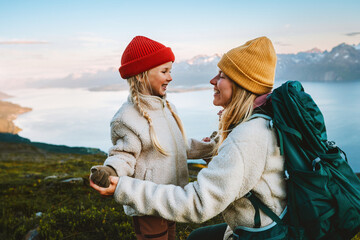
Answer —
252 65
143 54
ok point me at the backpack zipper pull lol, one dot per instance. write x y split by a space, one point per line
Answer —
315 162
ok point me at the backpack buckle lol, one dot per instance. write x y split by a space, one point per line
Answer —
271 124
331 144
315 162
286 174
248 194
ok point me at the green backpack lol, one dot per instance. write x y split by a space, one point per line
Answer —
323 192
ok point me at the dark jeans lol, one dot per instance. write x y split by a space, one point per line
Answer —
213 232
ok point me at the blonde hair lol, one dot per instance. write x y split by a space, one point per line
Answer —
239 110
140 84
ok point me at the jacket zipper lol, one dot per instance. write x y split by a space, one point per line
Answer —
174 141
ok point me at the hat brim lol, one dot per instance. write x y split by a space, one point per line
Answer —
147 62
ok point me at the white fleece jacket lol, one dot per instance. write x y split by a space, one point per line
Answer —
249 159
133 153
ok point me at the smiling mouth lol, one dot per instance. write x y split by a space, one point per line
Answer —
216 91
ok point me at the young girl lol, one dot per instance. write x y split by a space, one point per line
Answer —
248 157
148 138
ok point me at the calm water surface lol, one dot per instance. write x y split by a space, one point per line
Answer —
77 117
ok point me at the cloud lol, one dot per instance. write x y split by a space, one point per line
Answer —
282 44
352 34
90 39
22 42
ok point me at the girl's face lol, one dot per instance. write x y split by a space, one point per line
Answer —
222 89
159 78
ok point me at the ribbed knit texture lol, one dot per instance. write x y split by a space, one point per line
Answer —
142 54
252 65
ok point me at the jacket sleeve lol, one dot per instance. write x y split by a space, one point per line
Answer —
226 179
125 150
200 149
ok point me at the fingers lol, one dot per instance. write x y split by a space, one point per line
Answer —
94 186
105 191
101 190
206 139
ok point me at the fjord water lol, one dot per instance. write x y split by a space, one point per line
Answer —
78 117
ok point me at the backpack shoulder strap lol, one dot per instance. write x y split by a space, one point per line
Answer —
257 115
258 204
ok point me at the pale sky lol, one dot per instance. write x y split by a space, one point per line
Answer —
51 39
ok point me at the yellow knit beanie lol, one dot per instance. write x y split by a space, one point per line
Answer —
252 65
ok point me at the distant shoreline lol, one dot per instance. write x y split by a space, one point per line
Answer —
4 96
8 113
9 131
121 87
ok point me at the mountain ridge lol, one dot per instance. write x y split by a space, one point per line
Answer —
341 63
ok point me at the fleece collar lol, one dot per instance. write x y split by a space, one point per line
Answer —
151 102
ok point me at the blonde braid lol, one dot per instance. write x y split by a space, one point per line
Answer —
178 121
135 88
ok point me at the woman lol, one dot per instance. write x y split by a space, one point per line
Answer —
247 158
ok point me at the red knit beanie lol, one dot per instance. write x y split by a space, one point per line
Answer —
143 54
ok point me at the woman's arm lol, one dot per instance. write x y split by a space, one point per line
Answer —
217 186
229 176
197 202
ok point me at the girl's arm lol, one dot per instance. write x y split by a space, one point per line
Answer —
125 150
200 149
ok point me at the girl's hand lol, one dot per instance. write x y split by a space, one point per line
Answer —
106 191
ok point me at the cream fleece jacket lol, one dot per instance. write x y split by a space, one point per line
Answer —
249 159
133 153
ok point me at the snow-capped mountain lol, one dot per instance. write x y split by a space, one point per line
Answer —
203 59
357 46
314 50
196 71
342 63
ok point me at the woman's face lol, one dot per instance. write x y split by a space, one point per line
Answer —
159 78
222 89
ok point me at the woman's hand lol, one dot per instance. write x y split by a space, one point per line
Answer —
106 191
206 139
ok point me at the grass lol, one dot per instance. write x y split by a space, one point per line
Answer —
33 196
